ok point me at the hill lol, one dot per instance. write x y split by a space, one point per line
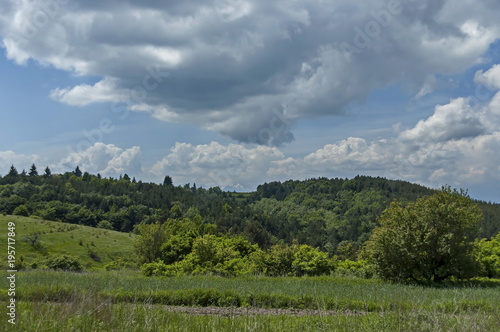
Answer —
336 215
94 247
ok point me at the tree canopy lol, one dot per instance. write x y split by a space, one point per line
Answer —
427 240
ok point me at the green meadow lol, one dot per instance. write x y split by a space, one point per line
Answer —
125 300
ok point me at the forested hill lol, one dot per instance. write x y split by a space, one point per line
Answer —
336 215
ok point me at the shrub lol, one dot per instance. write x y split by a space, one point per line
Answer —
63 262
487 253
358 269
21 210
105 224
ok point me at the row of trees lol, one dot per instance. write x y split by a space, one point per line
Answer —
431 239
336 216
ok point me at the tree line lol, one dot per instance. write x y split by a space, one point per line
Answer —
335 216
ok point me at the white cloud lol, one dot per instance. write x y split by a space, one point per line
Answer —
106 159
234 165
490 78
82 95
455 120
20 161
228 65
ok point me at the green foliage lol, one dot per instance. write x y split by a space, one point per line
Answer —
37 238
148 244
21 210
426 240
357 269
104 224
120 264
62 262
311 262
488 255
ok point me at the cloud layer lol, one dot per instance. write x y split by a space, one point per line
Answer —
247 69
457 145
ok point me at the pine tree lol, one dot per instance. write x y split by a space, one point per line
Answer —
78 172
168 181
13 171
48 173
33 171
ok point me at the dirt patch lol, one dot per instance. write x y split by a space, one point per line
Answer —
238 311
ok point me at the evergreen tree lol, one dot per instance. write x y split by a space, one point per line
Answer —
48 173
33 171
78 172
168 181
13 171
23 173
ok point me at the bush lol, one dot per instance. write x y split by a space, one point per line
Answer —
21 210
159 269
487 253
357 269
63 262
105 225
119 264
311 262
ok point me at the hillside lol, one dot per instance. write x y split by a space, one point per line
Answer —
336 215
94 247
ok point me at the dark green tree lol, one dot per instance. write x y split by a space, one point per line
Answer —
428 240
13 171
168 181
33 171
48 173
77 171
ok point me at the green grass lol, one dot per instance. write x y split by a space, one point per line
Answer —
62 238
127 301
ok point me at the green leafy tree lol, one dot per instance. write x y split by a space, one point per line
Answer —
428 240
488 255
150 241
310 261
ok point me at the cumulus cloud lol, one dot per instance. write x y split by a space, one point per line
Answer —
20 161
230 65
231 166
456 145
106 159
453 121
490 78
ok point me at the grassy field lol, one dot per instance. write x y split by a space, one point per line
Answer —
63 238
125 300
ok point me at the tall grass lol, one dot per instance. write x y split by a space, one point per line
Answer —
127 301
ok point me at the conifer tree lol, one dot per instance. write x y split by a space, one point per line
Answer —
33 171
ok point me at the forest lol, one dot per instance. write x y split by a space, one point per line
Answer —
334 215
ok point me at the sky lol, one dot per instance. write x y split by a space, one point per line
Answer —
235 93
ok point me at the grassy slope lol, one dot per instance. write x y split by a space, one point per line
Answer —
61 238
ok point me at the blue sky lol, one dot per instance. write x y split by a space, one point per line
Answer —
235 93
